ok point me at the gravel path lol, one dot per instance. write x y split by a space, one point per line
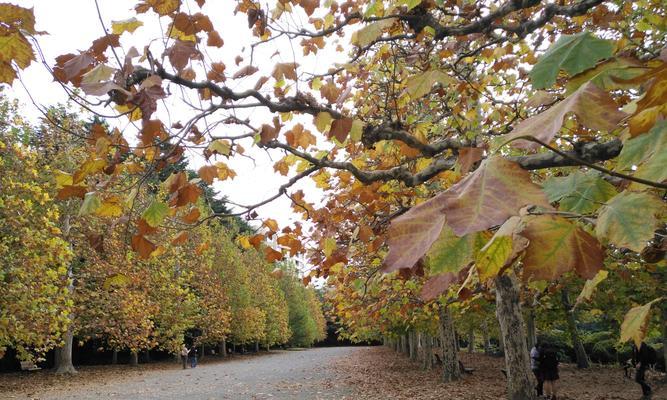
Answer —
296 374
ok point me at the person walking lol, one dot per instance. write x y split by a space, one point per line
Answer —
184 356
535 367
642 358
193 356
549 369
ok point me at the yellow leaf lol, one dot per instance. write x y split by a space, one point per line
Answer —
127 25
329 246
323 121
635 323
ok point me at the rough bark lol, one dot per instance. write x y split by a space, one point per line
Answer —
531 333
222 348
450 359
63 361
664 333
412 337
134 358
520 381
428 352
485 338
471 340
579 351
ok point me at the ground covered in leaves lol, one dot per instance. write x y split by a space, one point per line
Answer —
380 373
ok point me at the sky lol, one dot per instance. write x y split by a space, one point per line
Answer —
73 24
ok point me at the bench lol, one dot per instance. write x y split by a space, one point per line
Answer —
29 366
463 369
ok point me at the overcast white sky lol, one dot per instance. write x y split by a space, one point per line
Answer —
73 24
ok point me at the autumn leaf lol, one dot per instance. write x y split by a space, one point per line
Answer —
635 323
224 172
128 25
272 255
191 217
437 285
572 53
181 52
608 75
143 246
300 137
412 234
558 246
245 71
368 34
214 39
468 156
161 7
630 219
15 49
68 191
590 286
497 190
285 70
90 204
208 173
593 107
501 251
340 128
110 207
155 213
420 84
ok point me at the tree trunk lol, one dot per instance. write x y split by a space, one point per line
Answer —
404 344
582 358
256 347
222 348
485 338
471 340
428 353
114 357
233 348
520 382
531 337
63 361
147 356
450 359
664 334
412 337
134 359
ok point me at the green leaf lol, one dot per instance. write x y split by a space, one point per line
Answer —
450 253
558 246
609 75
638 149
635 323
90 204
156 213
220 146
572 53
501 251
578 192
593 107
420 84
629 219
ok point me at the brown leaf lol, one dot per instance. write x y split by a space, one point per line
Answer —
185 195
214 39
181 53
180 239
245 71
437 285
340 128
100 45
468 156
191 217
143 246
175 181
68 191
272 255
217 72
208 173
260 82
285 70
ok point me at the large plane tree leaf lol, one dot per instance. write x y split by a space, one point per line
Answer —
412 234
572 53
593 107
635 323
579 192
420 84
501 251
638 149
629 219
437 285
450 253
590 286
497 190
558 246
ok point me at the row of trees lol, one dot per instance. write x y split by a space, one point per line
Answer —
68 270
473 154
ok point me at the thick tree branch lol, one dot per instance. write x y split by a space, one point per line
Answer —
589 152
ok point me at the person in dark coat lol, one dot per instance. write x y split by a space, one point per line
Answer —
193 356
535 367
642 357
549 368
